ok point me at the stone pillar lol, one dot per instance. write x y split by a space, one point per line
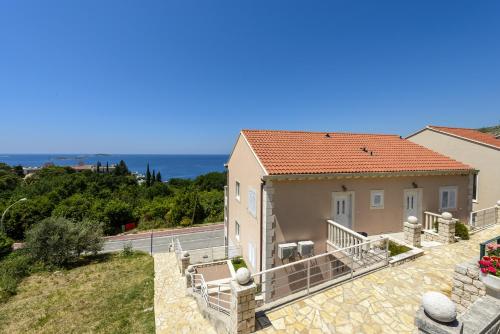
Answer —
446 228
243 304
184 262
467 287
189 271
413 231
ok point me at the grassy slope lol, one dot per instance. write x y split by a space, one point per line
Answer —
112 294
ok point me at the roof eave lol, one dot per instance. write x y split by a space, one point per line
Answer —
354 175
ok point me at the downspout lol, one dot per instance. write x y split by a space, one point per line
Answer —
262 184
226 212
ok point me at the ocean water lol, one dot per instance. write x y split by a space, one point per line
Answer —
170 165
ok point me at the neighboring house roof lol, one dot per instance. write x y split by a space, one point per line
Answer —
298 152
470 134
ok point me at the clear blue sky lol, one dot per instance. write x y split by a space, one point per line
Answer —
186 76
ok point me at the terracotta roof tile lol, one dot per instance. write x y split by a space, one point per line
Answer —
296 152
470 134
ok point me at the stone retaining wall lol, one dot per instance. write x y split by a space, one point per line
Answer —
430 235
467 288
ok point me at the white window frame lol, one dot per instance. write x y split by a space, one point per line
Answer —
373 194
476 179
237 190
237 230
447 189
252 206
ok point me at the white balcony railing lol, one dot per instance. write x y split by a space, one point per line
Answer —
341 237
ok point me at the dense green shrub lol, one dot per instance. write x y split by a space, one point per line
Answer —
461 231
186 221
5 245
13 268
238 263
59 241
396 249
151 224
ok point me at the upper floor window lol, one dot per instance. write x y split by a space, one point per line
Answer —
237 189
448 198
252 202
377 199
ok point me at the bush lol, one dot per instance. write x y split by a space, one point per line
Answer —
186 221
58 241
145 225
396 249
128 249
13 268
238 263
461 231
5 244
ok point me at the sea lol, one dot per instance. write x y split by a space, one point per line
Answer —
169 165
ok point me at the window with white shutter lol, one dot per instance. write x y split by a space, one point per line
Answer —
448 198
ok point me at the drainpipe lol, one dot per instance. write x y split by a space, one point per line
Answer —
262 184
226 214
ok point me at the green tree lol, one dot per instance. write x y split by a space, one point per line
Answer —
75 207
121 169
209 181
158 176
58 241
153 177
148 176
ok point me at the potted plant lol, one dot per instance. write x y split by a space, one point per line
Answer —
490 270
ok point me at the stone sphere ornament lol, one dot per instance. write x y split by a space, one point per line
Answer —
243 276
439 307
412 219
446 215
185 254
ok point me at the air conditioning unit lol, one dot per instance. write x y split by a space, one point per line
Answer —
286 251
306 248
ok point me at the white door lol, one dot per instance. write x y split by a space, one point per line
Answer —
411 203
342 209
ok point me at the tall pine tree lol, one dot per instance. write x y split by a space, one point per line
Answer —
158 176
107 167
153 177
148 176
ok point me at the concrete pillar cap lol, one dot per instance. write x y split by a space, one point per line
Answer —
498 202
243 276
185 254
412 219
446 215
190 269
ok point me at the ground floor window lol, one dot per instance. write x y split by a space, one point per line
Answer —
377 199
237 230
474 187
448 198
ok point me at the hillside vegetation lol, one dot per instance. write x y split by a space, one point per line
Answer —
495 130
113 199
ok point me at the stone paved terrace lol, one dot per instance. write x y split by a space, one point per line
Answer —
381 302
174 311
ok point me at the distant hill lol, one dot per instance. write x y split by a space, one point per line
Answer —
495 130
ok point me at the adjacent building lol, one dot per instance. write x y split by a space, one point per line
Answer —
283 186
472 147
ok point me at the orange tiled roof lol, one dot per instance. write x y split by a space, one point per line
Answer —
295 152
471 134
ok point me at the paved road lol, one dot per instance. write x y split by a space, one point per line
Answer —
193 239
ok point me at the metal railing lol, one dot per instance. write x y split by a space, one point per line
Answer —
483 245
341 237
297 279
178 250
216 296
431 218
484 218
211 254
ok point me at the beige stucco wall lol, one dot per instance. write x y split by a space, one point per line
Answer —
245 168
483 158
302 207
